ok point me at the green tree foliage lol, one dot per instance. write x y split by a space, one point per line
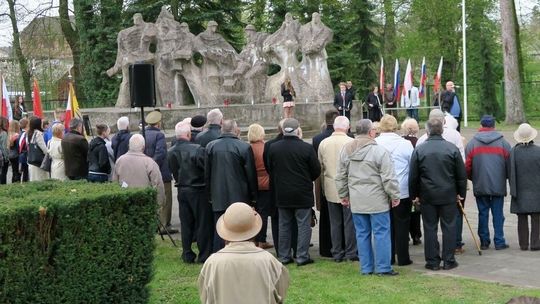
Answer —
482 50
98 23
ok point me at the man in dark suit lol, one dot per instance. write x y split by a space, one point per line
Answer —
325 241
343 101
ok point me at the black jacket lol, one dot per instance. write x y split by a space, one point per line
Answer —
317 139
524 178
287 94
437 173
230 172
213 133
294 166
98 157
347 103
267 148
120 143
447 100
186 161
75 148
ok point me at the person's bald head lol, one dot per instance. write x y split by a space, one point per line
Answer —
230 127
450 86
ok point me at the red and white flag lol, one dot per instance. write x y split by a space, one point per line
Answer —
381 78
437 82
37 100
6 105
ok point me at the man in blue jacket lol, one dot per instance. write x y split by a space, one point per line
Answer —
487 161
156 148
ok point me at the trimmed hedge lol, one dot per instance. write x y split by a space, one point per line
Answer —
76 242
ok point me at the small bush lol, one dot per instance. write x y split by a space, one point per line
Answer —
75 242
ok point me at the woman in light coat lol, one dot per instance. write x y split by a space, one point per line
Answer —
58 170
35 136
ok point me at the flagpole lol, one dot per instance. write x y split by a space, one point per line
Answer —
463 26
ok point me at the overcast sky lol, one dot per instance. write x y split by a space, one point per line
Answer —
524 8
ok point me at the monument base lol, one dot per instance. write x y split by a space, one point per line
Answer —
310 115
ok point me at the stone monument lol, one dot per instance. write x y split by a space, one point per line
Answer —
224 76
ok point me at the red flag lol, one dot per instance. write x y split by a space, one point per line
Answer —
37 101
437 82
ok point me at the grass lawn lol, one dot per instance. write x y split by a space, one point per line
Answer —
328 282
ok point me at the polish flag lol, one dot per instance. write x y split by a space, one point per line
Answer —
423 78
381 78
37 100
396 79
437 83
6 105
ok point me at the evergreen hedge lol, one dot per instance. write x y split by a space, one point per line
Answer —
75 242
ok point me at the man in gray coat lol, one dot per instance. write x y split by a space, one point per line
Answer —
366 182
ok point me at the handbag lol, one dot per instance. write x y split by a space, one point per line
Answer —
35 155
47 160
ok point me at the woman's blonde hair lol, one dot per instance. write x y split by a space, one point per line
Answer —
255 133
58 130
410 127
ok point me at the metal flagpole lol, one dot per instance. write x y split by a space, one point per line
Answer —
463 28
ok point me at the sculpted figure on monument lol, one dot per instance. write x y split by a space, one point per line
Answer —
314 36
133 46
252 66
219 60
167 38
281 47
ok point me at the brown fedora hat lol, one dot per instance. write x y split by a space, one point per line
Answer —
239 223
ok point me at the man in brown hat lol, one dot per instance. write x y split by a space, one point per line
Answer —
241 272
156 148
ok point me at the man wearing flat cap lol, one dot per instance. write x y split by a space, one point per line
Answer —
156 148
197 124
487 164
241 272
294 166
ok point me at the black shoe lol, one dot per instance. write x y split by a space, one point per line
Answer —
534 249
367 273
416 241
433 267
353 259
389 273
484 246
306 262
409 262
169 229
338 260
502 247
286 262
450 266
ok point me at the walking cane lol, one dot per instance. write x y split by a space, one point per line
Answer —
470 229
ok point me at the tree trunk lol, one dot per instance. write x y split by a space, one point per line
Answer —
389 30
72 38
512 80
23 63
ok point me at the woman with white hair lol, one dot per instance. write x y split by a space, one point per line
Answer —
120 141
58 170
264 201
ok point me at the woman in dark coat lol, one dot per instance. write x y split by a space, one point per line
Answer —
525 186
373 101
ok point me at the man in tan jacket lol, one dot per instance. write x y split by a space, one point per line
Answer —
242 272
340 216
135 169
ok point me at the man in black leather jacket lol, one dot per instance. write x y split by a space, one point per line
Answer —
214 119
437 179
186 161
230 173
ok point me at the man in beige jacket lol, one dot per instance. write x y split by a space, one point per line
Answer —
135 169
242 272
340 216
366 182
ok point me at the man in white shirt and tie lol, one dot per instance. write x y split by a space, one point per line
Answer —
343 101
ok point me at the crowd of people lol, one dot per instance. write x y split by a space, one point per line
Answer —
373 188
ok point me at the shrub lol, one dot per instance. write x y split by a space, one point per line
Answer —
75 242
